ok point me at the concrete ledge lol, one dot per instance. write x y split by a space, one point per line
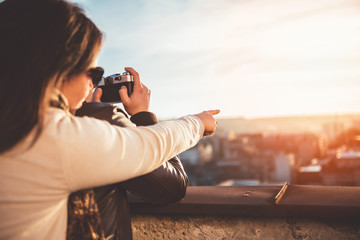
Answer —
259 201
302 212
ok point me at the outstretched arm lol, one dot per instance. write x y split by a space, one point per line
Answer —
164 185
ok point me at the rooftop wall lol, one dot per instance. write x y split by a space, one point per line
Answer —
252 212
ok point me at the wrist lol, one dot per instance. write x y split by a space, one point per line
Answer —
201 124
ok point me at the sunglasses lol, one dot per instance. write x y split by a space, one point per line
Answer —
96 75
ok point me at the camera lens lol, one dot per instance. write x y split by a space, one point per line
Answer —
107 80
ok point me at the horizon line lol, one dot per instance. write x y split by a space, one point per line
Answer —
292 115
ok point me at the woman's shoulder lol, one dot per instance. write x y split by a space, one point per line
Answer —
64 119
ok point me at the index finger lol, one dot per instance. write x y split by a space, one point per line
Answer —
135 75
213 112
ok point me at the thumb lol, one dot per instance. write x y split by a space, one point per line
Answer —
97 95
124 95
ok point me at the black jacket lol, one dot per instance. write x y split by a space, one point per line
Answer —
164 185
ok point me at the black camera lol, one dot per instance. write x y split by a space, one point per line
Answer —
111 85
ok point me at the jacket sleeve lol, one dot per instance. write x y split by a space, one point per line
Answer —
105 111
164 185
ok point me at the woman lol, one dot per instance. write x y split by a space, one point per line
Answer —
48 49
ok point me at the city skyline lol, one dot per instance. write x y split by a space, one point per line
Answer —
247 58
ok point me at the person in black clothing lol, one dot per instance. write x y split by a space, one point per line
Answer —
164 185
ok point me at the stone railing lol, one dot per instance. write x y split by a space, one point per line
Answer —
300 212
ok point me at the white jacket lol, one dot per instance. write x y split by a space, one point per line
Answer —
74 153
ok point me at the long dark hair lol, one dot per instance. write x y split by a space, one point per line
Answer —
42 44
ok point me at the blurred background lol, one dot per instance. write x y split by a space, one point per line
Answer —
285 75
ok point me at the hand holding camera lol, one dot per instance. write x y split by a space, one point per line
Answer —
139 100
125 88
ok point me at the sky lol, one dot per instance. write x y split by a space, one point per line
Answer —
248 58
